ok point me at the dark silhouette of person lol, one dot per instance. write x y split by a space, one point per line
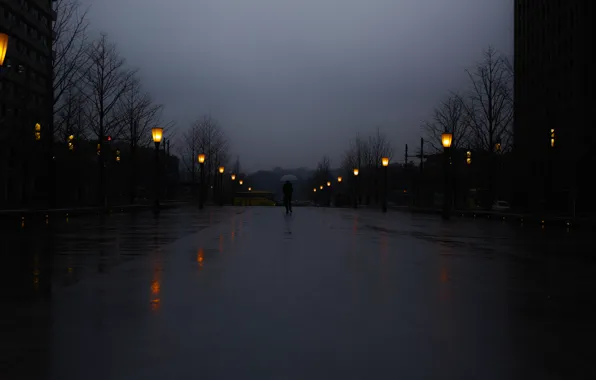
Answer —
288 189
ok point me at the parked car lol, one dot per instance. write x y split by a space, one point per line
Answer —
500 206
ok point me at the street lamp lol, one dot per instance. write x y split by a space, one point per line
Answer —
250 189
328 183
446 139
157 134
356 172
385 163
201 160
314 190
233 177
240 182
221 190
321 187
3 47
338 198
71 142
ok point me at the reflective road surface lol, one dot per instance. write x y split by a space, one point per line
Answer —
249 293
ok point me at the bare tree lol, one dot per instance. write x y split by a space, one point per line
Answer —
214 143
189 150
378 147
138 115
70 56
489 107
449 116
320 178
71 119
324 166
105 81
208 137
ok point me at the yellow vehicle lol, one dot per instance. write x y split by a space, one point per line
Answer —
254 198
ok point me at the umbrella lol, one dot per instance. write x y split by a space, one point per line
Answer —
288 177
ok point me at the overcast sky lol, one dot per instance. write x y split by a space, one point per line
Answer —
292 80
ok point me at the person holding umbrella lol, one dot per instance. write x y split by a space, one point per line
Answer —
288 189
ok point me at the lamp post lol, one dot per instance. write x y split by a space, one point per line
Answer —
201 160
157 134
356 172
385 163
446 139
233 178
338 196
221 187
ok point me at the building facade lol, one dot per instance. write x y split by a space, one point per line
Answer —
26 100
555 125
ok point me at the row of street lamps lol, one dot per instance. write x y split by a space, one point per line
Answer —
446 140
201 160
356 172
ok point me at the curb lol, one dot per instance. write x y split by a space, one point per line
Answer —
40 214
556 221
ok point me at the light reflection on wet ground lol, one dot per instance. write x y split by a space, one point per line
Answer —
323 293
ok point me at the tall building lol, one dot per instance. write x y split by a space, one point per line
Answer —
26 99
555 98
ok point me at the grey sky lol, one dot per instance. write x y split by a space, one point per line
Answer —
293 80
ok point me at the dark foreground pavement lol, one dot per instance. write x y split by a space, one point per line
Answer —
322 294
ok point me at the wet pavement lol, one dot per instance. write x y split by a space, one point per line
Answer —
249 293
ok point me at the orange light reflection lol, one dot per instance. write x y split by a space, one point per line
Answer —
200 257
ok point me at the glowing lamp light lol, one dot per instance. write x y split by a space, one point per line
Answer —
3 47
552 138
241 182
233 177
339 179
468 157
356 171
201 158
385 161
314 190
221 169
250 189
446 139
328 183
37 131
157 134
321 187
